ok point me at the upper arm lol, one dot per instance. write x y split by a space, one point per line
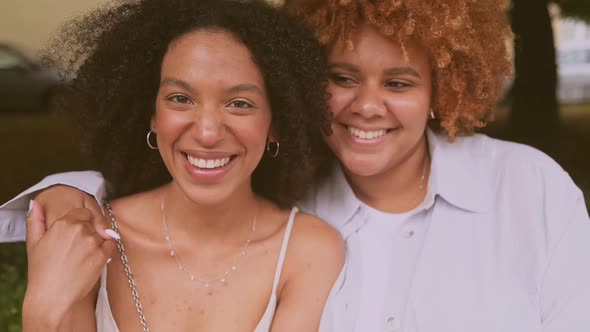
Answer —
315 259
565 291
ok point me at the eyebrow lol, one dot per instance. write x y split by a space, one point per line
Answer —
234 89
344 66
176 82
389 72
401 71
245 88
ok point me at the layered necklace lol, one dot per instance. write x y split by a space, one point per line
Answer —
424 166
206 282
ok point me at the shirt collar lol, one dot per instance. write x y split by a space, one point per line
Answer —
339 202
458 174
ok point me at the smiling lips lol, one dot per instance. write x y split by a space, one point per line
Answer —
366 134
208 167
208 163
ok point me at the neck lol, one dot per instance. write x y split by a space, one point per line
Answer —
401 188
209 223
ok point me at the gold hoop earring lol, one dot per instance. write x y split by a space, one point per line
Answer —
276 149
152 146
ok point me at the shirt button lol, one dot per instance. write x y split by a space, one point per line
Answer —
408 232
392 324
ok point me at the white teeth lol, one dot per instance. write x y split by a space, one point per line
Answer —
366 134
208 163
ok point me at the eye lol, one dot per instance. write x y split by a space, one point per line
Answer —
342 80
397 85
240 103
180 99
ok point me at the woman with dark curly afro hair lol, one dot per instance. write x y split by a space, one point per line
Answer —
446 230
205 117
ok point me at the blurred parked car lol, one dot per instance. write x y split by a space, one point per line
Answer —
25 86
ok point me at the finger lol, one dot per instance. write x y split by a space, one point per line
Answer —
99 221
35 224
58 200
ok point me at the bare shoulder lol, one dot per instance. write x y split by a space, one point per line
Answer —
134 212
315 259
313 241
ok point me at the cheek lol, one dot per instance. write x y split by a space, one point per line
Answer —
410 110
170 125
251 133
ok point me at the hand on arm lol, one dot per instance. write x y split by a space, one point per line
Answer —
65 261
58 200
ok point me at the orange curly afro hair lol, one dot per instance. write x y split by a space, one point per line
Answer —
466 41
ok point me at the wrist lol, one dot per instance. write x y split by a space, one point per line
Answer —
40 316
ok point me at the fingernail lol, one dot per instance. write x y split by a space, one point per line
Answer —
30 208
113 234
109 260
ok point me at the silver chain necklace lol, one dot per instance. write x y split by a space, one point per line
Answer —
127 269
193 277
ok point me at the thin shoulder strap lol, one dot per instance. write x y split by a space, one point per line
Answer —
286 237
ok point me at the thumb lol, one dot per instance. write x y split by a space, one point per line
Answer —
99 221
108 248
35 224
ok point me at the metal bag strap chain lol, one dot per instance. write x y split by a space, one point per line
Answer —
127 268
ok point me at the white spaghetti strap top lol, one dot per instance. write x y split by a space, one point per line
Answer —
105 321
266 320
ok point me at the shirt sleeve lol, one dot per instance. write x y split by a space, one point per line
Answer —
13 213
565 290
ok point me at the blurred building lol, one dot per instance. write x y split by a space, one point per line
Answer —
28 24
572 42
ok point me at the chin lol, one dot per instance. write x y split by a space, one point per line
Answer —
368 166
204 195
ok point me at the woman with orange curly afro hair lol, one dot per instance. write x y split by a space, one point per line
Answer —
446 230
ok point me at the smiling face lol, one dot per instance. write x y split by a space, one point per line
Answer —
380 103
212 115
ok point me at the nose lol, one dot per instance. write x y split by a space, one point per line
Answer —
368 102
208 126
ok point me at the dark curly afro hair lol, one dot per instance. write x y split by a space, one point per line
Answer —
117 50
467 41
